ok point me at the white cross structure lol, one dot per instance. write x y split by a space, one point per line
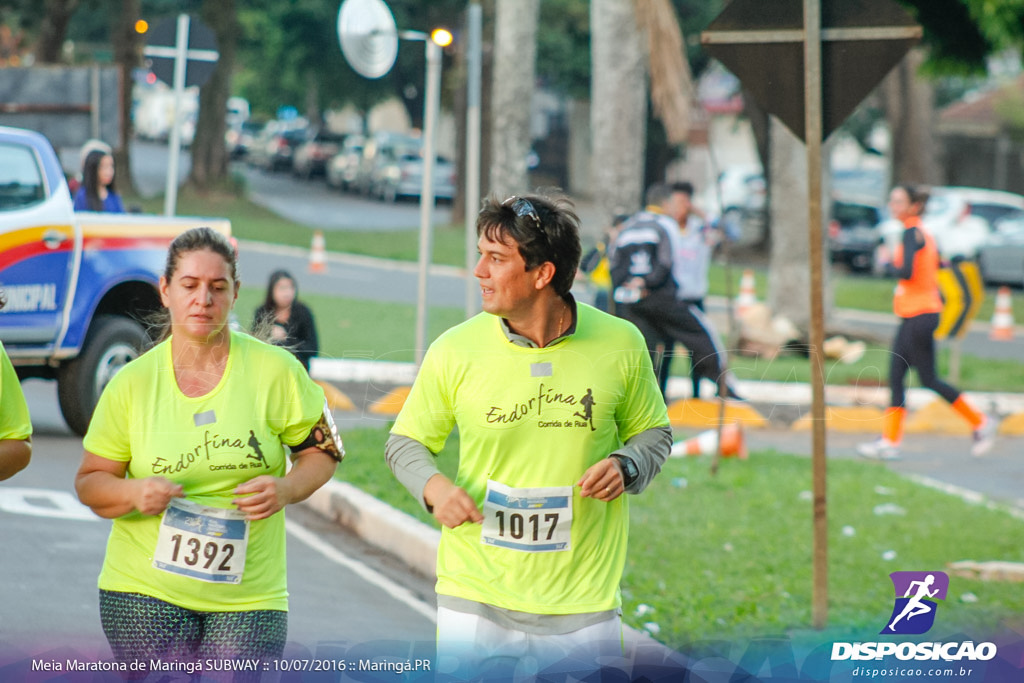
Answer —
182 55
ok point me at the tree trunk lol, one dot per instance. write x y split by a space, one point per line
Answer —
54 29
618 109
209 152
789 277
515 56
909 102
128 55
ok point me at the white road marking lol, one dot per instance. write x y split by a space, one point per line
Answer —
372 576
44 503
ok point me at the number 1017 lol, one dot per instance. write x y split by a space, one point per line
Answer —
518 524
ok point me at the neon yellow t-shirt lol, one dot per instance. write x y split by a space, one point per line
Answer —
15 422
535 418
209 445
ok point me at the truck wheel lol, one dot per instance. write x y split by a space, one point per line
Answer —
112 342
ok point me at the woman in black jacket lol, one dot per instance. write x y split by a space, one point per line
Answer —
290 321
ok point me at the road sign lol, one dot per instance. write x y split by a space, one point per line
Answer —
810 62
188 49
963 293
200 51
762 43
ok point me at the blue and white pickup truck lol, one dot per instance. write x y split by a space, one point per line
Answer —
80 286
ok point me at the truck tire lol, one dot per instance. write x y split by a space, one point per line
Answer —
112 342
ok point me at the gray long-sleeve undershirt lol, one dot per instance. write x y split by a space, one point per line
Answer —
413 464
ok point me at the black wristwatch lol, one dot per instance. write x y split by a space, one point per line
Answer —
629 469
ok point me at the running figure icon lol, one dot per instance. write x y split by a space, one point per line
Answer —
915 606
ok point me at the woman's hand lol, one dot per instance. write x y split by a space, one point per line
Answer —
262 497
153 494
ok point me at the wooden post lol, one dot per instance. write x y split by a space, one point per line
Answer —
813 136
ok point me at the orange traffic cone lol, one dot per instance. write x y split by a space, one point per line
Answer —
1002 319
748 293
706 443
318 254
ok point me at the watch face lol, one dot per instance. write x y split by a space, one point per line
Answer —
629 469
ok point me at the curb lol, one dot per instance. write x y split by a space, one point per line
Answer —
379 524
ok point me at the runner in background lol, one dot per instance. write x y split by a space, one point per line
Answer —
186 452
916 302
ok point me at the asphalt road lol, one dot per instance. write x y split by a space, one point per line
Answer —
343 594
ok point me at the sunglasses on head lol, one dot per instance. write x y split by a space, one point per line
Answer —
523 207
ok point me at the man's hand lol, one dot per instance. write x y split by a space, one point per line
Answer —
602 481
451 505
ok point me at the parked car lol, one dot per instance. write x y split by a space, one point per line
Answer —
1002 259
239 138
311 155
272 150
853 234
379 150
343 167
961 218
402 176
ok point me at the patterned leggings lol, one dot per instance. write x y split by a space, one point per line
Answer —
141 628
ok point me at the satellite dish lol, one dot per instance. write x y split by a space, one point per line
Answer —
368 36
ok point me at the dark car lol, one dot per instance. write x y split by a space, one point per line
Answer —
310 156
853 234
274 147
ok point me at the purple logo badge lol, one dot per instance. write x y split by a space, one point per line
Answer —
916 596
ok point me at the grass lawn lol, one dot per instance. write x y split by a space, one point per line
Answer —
343 332
730 556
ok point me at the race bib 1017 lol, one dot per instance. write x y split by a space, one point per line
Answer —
528 519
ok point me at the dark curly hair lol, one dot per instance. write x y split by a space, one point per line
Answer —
544 227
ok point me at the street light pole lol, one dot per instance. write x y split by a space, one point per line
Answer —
432 103
473 64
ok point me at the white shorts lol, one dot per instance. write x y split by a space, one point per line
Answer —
470 647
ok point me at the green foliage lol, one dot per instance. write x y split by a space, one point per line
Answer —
957 44
563 47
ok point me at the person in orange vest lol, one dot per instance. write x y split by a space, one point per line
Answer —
917 303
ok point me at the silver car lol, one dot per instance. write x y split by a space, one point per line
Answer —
402 177
1001 259
343 168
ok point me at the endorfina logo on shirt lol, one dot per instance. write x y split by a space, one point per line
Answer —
218 452
543 404
916 596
